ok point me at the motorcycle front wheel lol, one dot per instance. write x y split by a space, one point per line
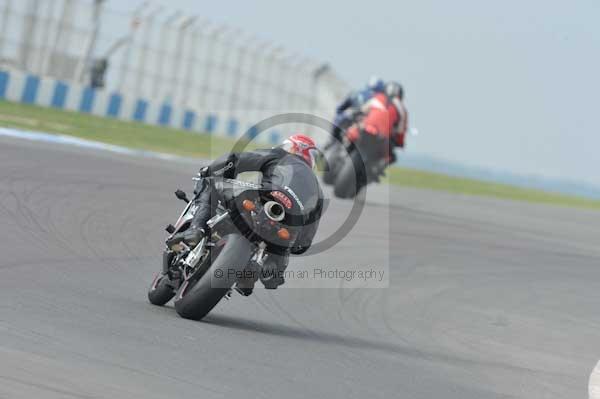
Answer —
160 291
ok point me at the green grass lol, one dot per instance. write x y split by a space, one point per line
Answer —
440 182
112 131
180 142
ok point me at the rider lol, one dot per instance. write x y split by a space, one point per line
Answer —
294 158
386 120
352 104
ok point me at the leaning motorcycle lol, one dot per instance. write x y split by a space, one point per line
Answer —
251 221
351 165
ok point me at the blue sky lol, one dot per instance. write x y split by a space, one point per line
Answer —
507 85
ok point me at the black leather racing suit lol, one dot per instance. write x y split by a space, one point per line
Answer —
277 167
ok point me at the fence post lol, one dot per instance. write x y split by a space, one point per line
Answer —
317 74
298 84
192 65
147 23
251 78
178 63
210 50
238 70
280 85
227 46
126 57
270 61
84 62
28 33
44 50
162 51
62 37
5 20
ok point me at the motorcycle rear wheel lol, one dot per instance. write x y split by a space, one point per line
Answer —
197 297
351 177
329 176
332 161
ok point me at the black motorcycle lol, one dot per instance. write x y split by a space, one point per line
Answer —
352 165
251 221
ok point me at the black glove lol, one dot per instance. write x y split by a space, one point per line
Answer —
191 237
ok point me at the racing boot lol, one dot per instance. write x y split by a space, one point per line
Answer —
272 273
245 284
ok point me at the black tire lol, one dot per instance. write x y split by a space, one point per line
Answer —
196 298
351 177
329 176
160 291
332 161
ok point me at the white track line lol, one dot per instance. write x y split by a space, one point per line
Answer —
96 145
594 386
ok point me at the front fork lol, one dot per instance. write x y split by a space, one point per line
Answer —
167 258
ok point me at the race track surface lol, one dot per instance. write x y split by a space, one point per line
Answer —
487 298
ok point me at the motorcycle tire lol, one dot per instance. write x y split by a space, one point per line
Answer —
329 176
196 298
351 177
160 291
332 161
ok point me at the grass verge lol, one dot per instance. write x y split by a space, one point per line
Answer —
181 142
112 131
440 182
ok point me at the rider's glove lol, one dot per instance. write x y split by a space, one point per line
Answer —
191 237
204 172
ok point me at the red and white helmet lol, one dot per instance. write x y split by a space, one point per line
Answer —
303 146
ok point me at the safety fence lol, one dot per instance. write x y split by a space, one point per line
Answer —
31 89
155 66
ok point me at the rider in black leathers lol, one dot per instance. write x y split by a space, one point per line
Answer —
293 161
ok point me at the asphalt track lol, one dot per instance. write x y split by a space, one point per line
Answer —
487 298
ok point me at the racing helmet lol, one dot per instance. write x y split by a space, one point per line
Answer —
303 146
376 84
394 90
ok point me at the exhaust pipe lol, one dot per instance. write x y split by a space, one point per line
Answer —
274 211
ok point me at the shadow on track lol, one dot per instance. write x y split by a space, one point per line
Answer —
285 331
349 342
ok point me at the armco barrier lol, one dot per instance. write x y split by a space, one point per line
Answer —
30 89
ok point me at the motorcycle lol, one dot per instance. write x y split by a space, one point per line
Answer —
251 221
351 165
